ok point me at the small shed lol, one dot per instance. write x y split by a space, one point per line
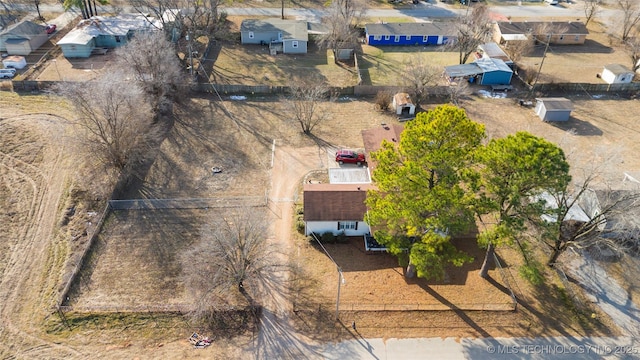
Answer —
617 74
402 104
553 109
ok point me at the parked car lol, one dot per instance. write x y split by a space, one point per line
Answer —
51 28
349 157
7 73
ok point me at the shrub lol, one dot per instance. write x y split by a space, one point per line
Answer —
383 100
341 238
300 225
328 238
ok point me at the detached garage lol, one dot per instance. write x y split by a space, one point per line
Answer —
553 109
23 38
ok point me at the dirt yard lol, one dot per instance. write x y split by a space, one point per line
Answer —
36 174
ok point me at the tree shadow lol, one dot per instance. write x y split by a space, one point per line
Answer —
460 313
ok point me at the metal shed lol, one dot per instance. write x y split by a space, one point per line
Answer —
553 109
487 72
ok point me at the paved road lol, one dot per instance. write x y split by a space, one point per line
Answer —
424 10
554 348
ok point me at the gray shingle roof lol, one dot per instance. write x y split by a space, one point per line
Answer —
569 27
291 29
556 104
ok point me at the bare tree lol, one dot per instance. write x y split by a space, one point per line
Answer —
545 33
341 19
457 91
473 29
591 9
152 62
112 117
632 46
188 17
517 49
308 103
232 264
609 222
630 16
418 75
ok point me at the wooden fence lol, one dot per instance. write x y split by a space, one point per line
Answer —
362 90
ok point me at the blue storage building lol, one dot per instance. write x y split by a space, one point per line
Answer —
403 34
485 71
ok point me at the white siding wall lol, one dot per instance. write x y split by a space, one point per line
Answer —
324 226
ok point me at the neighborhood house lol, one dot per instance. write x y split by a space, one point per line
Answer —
284 36
556 33
23 38
100 32
409 33
335 208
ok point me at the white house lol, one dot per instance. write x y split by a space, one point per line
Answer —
617 74
335 208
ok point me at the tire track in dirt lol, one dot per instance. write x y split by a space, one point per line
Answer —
21 294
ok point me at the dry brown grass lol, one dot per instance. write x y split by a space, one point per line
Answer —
204 136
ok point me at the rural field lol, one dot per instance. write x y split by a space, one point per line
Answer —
131 264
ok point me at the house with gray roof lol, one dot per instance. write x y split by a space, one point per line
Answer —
104 32
556 32
403 34
23 38
285 36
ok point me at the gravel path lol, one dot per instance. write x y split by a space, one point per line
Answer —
605 292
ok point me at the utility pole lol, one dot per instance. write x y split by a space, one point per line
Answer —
340 282
190 54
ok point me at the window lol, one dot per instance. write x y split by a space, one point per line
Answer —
377 37
294 44
348 225
279 36
396 38
577 37
387 37
425 38
251 35
408 37
117 38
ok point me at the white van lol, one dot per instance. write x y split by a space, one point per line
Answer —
551 2
7 73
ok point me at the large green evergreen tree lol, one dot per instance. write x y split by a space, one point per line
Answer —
421 199
513 171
